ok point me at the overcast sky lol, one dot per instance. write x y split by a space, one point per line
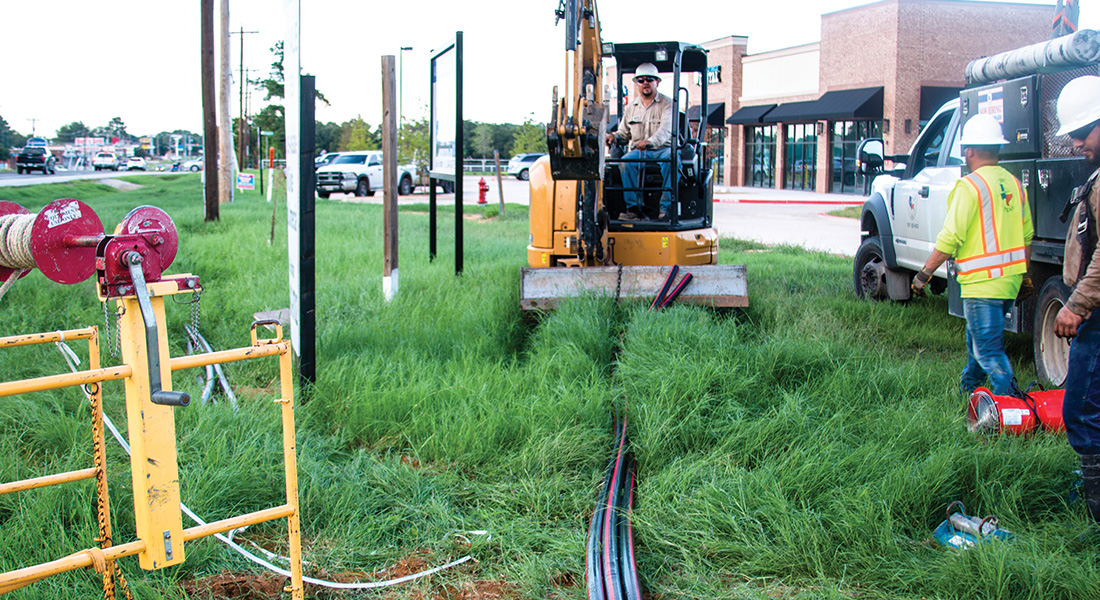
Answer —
89 61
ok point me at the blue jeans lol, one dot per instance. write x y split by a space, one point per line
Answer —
631 172
1081 406
985 325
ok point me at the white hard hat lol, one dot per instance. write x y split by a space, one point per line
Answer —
1079 104
647 70
982 130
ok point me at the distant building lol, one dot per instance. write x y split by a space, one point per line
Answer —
792 118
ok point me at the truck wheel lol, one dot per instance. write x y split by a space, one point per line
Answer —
19 170
323 193
406 186
869 270
524 175
362 188
1051 351
448 187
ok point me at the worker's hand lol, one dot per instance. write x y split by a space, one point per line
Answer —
610 139
1027 288
920 281
1066 323
642 144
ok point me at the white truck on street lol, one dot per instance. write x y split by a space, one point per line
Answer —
908 203
360 172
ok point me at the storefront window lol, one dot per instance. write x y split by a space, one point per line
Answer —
759 153
846 138
801 156
715 139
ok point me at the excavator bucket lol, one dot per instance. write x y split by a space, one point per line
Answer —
710 285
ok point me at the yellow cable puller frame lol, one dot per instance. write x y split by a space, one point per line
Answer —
129 266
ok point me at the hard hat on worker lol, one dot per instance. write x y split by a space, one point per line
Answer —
647 70
982 130
1079 104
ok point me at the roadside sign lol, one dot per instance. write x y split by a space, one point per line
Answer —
246 181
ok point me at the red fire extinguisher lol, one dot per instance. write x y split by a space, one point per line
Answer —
988 413
482 190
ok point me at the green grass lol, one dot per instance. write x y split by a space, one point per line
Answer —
805 447
851 212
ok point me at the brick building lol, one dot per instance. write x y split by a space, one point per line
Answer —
792 118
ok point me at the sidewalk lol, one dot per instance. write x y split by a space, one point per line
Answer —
755 195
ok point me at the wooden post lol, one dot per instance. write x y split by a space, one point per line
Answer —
496 158
209 113
225 136
389 178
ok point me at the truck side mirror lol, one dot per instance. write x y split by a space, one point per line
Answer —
871 156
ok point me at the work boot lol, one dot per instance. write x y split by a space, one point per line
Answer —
1090 483
629 216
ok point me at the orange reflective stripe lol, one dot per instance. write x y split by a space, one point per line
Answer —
990 239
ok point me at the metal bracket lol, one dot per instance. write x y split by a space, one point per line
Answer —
168 545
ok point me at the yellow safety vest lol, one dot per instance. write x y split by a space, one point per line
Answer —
992 244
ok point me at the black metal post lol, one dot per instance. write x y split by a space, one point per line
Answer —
460 170
307 354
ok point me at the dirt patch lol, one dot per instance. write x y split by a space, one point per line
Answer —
120 185
236 585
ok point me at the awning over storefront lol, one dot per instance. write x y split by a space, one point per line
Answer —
790 112
716 114
841 105
750 115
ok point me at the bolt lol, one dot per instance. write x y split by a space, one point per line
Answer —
157 240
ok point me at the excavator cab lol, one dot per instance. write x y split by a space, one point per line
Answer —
691 176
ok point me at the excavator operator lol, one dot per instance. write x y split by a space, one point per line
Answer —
648 132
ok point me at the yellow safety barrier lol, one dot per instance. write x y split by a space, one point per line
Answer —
153 465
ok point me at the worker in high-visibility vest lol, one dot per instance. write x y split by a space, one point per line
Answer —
1079 319
988 230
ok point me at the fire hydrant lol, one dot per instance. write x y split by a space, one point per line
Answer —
482 189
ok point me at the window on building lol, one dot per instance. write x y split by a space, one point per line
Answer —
715 139
800 166
760 154
846 138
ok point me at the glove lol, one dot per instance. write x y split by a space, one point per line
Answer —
920 281
1027 288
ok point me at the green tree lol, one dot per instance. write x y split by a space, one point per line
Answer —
118 129
529 138
327 137
357 135
483 140
412 144
69 133
6 139
270 117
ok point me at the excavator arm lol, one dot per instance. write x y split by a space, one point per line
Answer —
575 134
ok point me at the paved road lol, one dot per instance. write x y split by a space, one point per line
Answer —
763 215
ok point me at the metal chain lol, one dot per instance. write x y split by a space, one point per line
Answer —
619 284
196 310
116 348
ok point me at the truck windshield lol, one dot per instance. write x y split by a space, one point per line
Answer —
350 159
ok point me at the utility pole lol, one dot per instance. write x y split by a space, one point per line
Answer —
33 120
225 138
242 130
209 114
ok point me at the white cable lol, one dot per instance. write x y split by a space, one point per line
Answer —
256 559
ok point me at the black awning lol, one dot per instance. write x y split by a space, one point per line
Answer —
849 105
842 105
932 98
750 115
791 112
716 113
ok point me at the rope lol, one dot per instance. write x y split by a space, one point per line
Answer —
15 241
15 247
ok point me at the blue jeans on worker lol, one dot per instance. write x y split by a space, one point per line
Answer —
985 326
1081 405
631 176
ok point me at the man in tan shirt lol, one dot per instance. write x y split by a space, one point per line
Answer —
646 125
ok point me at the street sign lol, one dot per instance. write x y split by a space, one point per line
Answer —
246 181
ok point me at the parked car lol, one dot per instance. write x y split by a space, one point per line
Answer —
324 160
105 160
195 164
360 173
136 163
36 158
520 165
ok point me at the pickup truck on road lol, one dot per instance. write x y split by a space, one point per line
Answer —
36 158
360 172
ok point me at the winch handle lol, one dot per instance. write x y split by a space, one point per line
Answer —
992 521
962 508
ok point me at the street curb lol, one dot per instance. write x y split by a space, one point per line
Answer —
787 201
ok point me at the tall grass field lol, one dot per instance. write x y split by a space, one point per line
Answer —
805 447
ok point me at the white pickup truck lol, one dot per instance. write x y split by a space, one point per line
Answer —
360 172
907 206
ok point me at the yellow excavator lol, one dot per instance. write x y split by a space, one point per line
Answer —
578 210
